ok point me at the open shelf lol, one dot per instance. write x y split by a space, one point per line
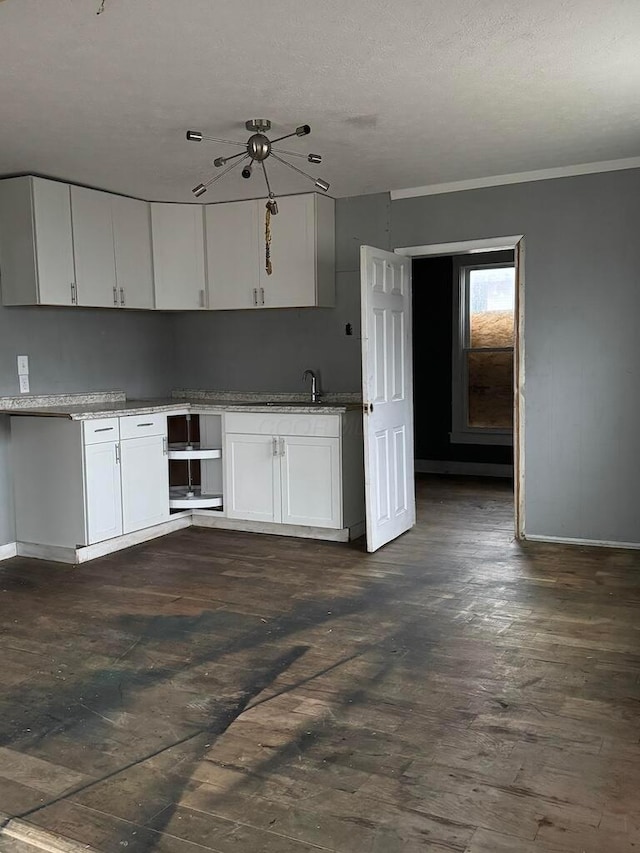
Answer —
180 499
193 451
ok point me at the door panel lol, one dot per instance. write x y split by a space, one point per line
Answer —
132 239
252 489
54 242
293 281
311 482
102 491
93 247
145 482
387 394
178 256
233 254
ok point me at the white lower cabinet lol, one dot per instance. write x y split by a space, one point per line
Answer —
287 479
77 483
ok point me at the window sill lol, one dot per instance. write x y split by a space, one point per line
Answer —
482 437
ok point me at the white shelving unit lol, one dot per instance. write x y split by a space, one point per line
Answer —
191 495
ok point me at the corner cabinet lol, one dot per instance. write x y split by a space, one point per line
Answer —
178 256
302 254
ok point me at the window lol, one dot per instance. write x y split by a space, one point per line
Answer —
483 355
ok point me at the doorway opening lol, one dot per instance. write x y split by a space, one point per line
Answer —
468 360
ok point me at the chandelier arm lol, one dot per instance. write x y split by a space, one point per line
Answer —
290 153
266 178
286 136
233 156
291 166
223 172
225 141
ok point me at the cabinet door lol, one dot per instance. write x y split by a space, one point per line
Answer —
132 241
145 482
232 231
102 491
93 248
36 246
311 482
178 256
293 281
252 479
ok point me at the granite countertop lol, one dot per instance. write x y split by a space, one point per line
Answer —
114 404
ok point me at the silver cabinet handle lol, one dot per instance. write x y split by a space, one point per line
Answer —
282 446
117 453
103 429
203 303
122 301
115 295
165 448
255 295
74 294
275 446
148 423
262 295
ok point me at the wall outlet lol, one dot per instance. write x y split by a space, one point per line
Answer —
23 365
24 383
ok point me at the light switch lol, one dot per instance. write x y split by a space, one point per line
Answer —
23 365
24 383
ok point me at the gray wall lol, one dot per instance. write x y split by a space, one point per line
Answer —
269 350
80 350
582 308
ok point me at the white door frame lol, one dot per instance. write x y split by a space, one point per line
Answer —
493 244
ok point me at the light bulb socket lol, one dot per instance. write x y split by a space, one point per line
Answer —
303 130
322 185
272 206
219 161
315 158
194 136
246 172
199 190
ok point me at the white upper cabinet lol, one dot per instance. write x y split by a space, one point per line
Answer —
302 253
36 244
93 248
178 256
233 254
132 243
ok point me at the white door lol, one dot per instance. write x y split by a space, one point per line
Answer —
311 482
252 478
103 493
293 281
145 482
132 240
93 248
387 394
54 242
233 255
178 256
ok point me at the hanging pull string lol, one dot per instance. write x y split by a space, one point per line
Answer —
267 241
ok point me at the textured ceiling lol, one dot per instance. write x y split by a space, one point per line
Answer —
398 94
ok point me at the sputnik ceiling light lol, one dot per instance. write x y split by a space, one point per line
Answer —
256 150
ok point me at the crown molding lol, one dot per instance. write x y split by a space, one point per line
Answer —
518 178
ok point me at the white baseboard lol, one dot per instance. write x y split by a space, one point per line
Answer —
211 519
101 549
473 469
589 543
8 551
52 553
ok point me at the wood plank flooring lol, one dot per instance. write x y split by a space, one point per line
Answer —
218 691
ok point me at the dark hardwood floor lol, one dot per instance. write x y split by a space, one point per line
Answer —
211 690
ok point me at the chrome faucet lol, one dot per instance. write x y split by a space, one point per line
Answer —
315 394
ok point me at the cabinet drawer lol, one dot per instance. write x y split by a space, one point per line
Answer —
281 423
101 429
134 426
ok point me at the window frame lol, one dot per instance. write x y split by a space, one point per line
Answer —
461 432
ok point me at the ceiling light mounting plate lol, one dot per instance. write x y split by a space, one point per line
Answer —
258 125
